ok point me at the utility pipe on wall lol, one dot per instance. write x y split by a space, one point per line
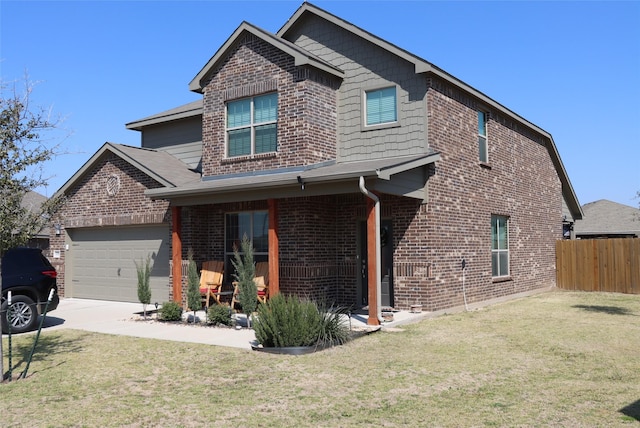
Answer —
376 201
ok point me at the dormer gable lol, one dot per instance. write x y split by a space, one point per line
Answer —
301 57
267 105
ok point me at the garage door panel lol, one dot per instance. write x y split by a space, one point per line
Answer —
103 262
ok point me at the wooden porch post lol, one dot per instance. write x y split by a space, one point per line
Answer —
176 246
372 268
274 261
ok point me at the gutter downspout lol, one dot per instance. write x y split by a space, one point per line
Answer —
376 201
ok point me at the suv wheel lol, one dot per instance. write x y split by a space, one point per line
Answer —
23 315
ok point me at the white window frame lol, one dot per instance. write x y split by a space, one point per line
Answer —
365 94
252 126
496 252
483 140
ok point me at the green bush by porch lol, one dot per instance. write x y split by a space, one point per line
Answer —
170 311
291 321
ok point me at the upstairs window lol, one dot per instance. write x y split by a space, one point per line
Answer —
381 106
499 246
482 137
252 125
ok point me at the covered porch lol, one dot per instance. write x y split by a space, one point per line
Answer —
311 225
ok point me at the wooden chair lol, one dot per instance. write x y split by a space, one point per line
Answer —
261 279
211 281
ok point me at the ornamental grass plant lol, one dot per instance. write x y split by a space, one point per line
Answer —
291 321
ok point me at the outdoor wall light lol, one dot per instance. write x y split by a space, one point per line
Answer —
58 228
301 182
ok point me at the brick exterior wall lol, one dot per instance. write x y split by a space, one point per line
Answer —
306 109
519 182
319 235
89 205
319 240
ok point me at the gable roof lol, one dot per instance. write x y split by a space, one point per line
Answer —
608 218
300 56
159 165
423 66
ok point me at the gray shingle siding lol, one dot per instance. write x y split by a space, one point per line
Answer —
172 133
367 66
181 138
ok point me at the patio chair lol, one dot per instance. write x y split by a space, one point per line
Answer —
261 279
211 281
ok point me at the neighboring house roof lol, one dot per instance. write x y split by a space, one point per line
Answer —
159 165
191 109
301 57
608 218
32 201
278 181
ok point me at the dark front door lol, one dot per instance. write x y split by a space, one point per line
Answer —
386 263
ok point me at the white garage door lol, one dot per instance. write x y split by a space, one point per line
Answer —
100 262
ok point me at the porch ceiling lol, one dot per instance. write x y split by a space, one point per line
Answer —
319 179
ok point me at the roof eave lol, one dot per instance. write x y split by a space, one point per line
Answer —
386 173
170 193
138 125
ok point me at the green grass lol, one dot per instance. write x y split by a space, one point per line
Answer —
557 359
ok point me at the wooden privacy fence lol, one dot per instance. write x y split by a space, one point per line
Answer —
599 265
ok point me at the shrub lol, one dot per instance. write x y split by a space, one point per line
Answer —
286 321
170 311
144 289
194 300
219 315
245 273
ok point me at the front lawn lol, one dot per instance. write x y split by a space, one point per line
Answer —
564 359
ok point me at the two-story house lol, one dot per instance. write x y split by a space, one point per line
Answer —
363 174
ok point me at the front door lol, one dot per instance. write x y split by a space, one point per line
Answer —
386 263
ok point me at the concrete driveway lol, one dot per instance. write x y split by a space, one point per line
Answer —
120 318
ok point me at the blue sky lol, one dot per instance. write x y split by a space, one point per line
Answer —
572 68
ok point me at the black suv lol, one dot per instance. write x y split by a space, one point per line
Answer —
30 278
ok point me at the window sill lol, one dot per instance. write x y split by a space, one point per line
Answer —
244 158
497 279
366 128
485 165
